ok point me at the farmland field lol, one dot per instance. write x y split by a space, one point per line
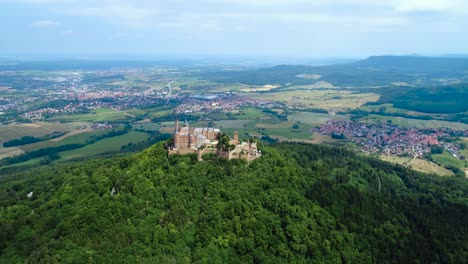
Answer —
314 118
414 122
80 138
324 99
10 152
106 145
98 115
447 159
419 165
39 129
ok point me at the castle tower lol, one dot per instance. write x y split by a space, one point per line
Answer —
236 136
192 141
176 125
176 140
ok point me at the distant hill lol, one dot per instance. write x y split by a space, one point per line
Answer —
373 71
296 204
415 64
440 99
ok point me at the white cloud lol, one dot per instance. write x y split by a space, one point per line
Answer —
45 23
452 6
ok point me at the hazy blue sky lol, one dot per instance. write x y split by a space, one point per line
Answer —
311 28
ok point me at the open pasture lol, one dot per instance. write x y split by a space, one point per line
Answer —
39 129
10 152
414 122
325 99
107 145
98 115
314 118
418 165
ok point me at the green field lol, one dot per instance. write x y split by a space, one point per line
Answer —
414 122
107 145
314 118
447 159
98 115
223 124
10 152
418 164
147 126
81 138
39 129
324 99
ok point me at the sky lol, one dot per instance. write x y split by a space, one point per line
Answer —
295 28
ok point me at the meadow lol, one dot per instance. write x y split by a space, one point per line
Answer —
418 165
38 129
337 100
447 159
98 115
414 122
104 146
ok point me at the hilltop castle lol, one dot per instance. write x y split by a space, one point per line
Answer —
201 140
187 137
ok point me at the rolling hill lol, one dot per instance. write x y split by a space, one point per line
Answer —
296 204
373 71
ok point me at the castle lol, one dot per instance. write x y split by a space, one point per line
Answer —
202 140
187 137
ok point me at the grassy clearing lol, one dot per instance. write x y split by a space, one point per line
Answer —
317 85
324 99
414 122
98 115
147 126
231 123
80 138
314 118
107 145
418 165
447 159
10 152
390 109
318 138
39 129
253 88
250 113
32 162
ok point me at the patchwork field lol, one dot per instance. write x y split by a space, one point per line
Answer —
414 122
447 159
418 164
10 152
98 115
77 138
39 129
107 145
314 118
324 99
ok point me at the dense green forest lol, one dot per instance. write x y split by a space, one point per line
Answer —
296 204
440 99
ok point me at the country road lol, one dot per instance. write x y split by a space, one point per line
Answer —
169 94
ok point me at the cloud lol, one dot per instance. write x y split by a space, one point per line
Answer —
45 23
452 6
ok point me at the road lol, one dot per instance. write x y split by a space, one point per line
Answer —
332 115
169 94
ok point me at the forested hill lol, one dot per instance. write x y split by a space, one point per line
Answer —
416 64
373 71
296 204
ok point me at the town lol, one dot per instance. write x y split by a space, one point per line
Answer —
390 139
